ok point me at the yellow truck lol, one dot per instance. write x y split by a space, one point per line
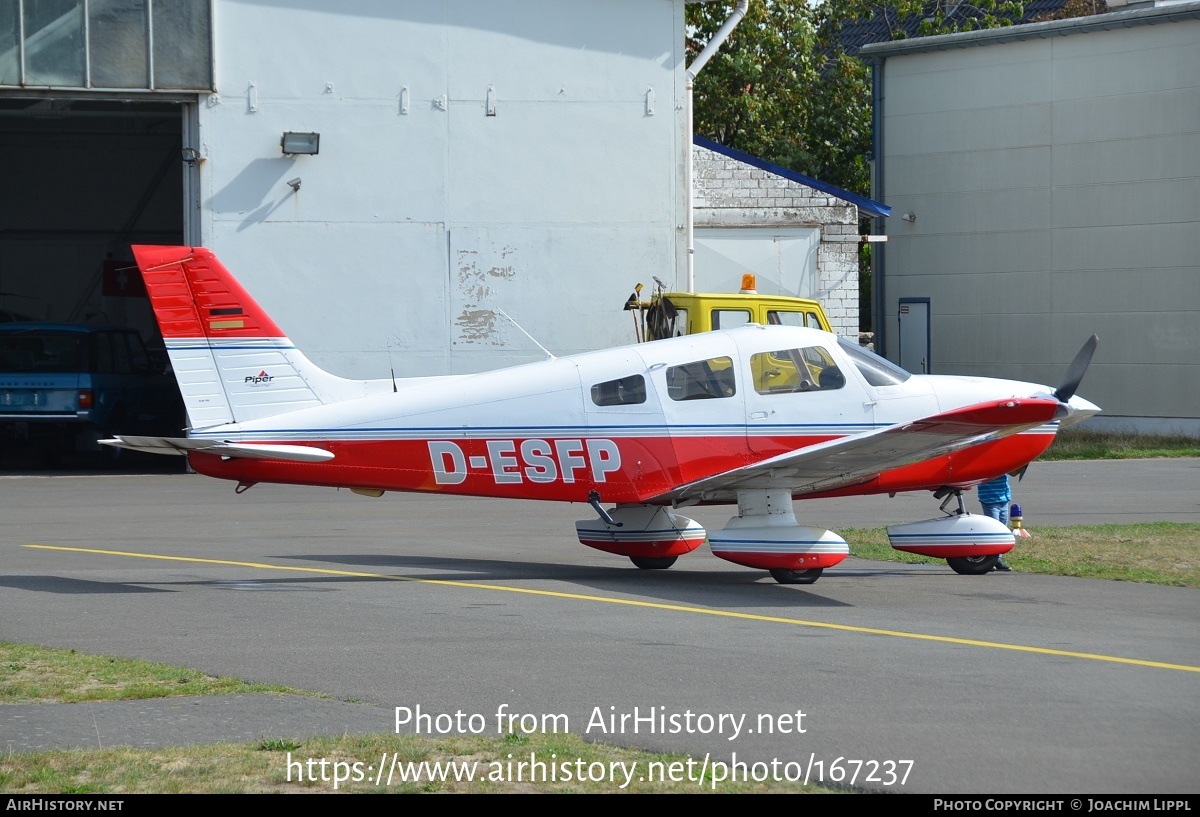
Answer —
670 314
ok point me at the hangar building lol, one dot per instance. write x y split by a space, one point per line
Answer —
443 158
1045 185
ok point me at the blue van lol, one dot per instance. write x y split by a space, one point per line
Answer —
74 384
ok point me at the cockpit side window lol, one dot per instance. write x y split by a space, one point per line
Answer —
795 370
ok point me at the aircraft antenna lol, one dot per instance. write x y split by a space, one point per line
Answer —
392 365
549 354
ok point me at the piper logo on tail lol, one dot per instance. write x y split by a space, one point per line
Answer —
260 378
516 461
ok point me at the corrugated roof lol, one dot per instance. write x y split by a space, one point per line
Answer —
887 26
1167 13
864 204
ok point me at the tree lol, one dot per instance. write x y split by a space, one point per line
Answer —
773 92
754 94
788 86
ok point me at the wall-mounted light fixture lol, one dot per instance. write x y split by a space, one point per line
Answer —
300 144
909 217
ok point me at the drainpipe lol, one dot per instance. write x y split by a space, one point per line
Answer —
878 264
692 70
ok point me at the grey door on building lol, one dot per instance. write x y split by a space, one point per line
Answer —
914 335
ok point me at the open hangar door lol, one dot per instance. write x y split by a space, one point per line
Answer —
83 179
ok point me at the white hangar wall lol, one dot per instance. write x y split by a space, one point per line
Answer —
474 155
1054 176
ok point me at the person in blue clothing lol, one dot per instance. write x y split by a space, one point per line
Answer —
994 497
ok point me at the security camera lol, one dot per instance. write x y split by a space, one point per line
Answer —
294 183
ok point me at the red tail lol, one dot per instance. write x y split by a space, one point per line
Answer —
194 296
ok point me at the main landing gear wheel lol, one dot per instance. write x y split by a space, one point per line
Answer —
785 576
653 562
972 565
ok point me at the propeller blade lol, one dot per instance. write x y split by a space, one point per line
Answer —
1075 373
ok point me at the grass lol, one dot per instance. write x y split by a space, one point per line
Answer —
1153 553
34 674
1078 444
355 761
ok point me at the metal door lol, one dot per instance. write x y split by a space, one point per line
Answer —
914 335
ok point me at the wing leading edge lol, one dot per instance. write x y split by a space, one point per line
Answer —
861 457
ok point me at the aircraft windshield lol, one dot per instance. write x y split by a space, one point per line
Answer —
876 370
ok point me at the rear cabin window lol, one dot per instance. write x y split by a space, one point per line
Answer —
703 380
626 391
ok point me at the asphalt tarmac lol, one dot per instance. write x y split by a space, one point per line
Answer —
991 684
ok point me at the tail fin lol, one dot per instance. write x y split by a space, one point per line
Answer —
232 362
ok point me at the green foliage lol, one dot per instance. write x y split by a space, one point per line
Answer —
34 673
1081 444
753 95
771 92
278 745
782 87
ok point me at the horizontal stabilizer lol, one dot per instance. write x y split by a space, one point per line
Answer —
180 446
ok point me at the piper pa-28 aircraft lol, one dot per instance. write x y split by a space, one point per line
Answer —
757 416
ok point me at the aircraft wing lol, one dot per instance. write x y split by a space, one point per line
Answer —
861 457
179 446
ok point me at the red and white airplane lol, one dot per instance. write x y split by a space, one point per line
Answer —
757 416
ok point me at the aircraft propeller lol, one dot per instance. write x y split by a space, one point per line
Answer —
1066 389
1079 365
1075 372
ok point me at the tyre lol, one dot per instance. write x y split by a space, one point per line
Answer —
972 565
653 562
785 576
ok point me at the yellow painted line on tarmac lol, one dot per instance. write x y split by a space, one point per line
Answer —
653 605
